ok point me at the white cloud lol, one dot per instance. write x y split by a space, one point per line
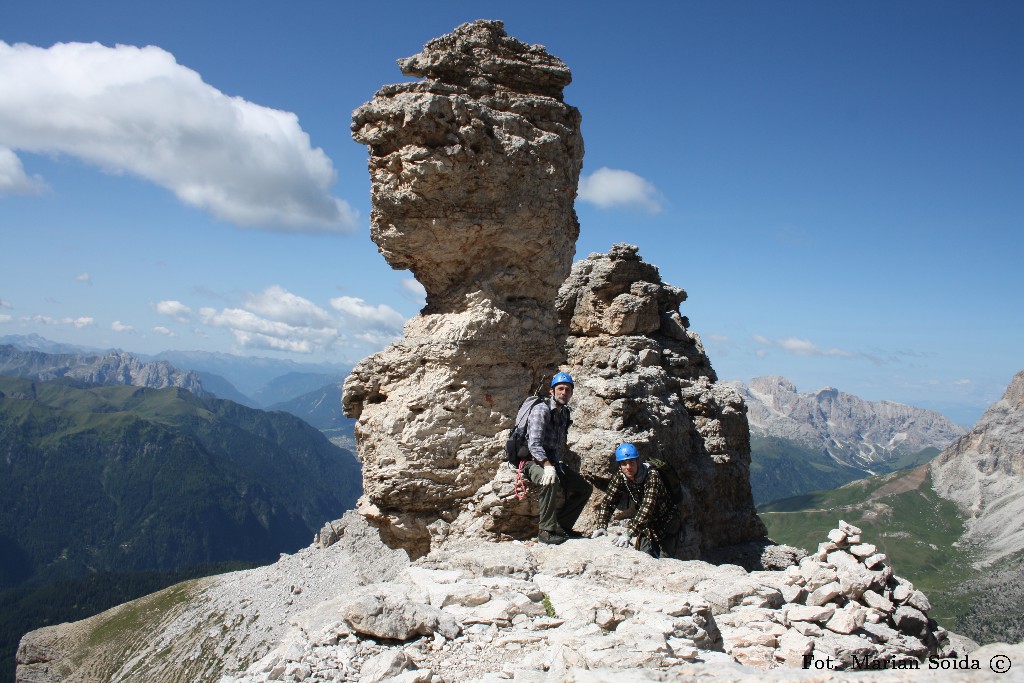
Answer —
363 316
253 331
803 347
136 110
173 309
118 326
279 304
13 179
74 322
160 329
278 320
84 277
5 304
611 188
413 290
962 382
4 318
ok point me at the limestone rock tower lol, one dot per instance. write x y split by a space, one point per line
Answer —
474 173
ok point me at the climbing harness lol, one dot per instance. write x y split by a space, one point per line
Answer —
520 485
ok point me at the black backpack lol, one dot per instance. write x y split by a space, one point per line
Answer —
670 477
517 439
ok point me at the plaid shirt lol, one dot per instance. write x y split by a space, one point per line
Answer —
654 507
547 431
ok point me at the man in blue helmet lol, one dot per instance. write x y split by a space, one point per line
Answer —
546 434
638 491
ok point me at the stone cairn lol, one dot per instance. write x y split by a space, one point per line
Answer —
474 173
840 608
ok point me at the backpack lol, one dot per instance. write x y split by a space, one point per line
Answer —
669 475
517 439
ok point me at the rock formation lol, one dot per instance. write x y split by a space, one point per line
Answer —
643 377
854 432
983 473
474 173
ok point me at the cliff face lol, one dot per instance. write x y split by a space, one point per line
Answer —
474 173
983 473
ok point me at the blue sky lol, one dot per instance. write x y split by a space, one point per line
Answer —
838 186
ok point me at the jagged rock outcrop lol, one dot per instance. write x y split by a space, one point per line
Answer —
115 367
643 377
474 170
474 176
983 473
471 610
854 432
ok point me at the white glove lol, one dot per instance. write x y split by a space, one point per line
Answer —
622 541
549 476
597 533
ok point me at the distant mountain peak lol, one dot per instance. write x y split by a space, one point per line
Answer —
851 430
112 367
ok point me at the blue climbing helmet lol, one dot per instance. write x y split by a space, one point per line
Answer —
626 451
562 378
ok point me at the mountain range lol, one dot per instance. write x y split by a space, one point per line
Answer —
112 367
949 527
122 478
802 442
121 475
953 525
249 380
983 473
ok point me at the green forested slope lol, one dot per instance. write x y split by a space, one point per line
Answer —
783 468
121 478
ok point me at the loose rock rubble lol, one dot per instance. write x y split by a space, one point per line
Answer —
474 611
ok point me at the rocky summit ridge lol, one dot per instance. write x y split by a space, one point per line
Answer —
474 173
348 608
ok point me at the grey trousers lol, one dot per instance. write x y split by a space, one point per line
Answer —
575 488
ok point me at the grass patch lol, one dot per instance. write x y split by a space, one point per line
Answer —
131 617
549 609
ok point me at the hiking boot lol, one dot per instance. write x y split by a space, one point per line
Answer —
569 533
551 537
